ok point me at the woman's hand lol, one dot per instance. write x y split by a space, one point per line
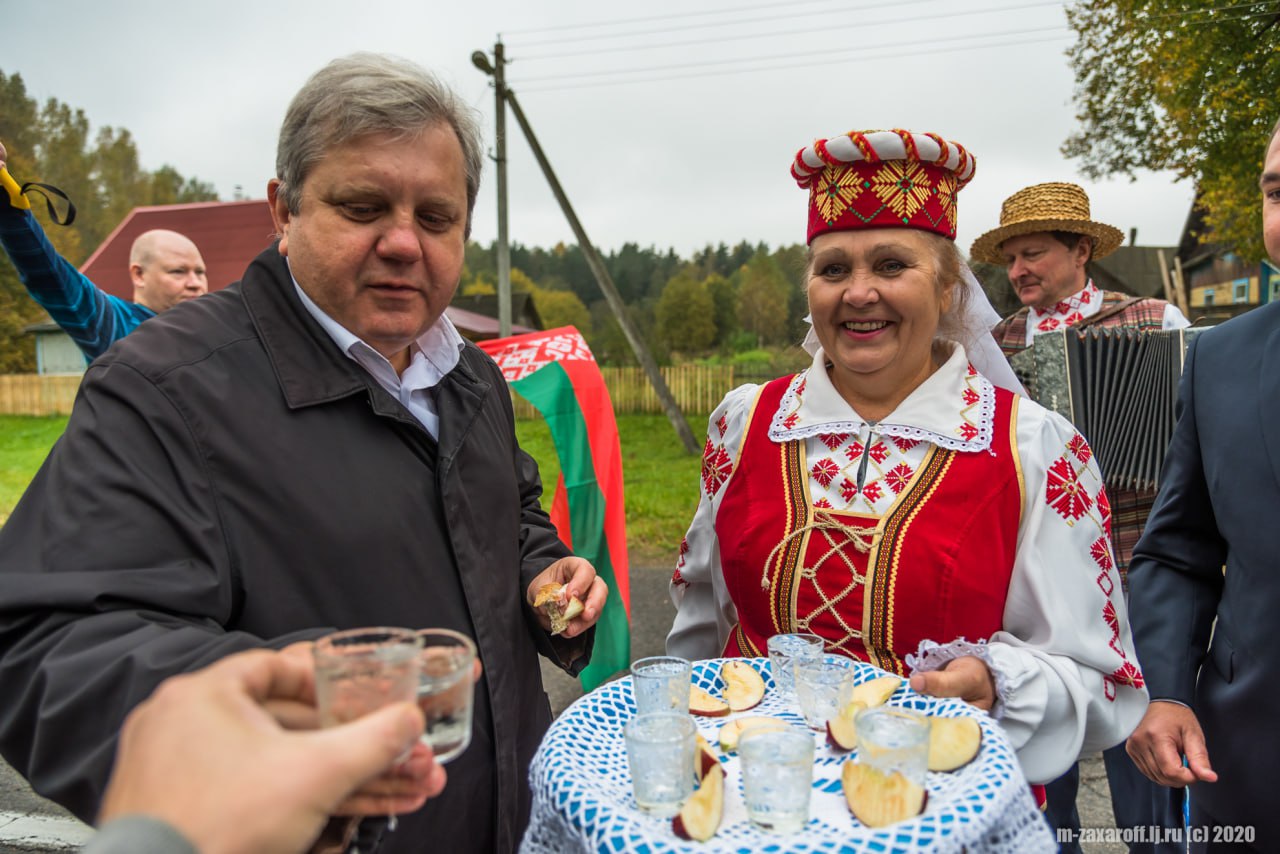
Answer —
967 677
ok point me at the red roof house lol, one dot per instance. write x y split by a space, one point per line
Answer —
229 235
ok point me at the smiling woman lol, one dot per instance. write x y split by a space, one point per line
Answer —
899 498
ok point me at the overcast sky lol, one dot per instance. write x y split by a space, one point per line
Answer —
694 148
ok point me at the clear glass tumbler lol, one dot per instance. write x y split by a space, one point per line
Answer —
891 739
777 776
446 691
818 685
784 651
361 670
660 749
661 684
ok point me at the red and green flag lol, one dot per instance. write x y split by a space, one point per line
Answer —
555 371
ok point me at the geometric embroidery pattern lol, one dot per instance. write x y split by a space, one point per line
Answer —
835 191
903 186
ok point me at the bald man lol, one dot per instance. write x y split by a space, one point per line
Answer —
166 269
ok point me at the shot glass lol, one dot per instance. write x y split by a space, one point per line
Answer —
785 651
818 685
660 749
661 684
446 692
777 776
894 740
361 670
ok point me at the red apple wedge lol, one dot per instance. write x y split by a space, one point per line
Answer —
700 816
875 692
704 758
877 799
743 686
953 742
706 704
733 730
842 733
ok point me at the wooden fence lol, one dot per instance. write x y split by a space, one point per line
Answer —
696 388
37 394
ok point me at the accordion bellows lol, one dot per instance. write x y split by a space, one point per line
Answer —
1118 386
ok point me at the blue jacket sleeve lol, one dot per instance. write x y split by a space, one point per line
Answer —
94 319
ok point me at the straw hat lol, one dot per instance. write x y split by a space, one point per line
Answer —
883 179
1046 207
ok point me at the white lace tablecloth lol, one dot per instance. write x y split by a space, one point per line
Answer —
582 798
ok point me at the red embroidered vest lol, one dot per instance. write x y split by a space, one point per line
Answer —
938 565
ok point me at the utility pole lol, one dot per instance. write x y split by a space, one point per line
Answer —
504 248
611 295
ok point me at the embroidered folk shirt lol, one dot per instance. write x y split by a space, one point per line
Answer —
1058 642
1081 305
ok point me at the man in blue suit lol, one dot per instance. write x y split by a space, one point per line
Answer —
1216 509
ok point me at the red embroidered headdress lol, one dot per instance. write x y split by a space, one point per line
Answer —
884 178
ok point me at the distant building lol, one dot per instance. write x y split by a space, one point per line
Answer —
1220 284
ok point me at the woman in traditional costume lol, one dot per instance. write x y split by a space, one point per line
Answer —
899 497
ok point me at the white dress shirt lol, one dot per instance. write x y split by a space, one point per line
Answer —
431 356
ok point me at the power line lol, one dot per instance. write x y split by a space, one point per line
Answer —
892 54
826 28
705 12
720 62
719 38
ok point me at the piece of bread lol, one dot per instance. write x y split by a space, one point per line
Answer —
558 606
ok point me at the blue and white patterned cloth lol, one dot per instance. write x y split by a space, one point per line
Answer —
582 798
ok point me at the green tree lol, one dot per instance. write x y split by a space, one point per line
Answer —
724 308
686 315
561 308
1180 85
763 296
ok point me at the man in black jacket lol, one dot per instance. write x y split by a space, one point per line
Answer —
312 448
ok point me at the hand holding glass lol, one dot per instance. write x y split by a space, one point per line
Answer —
446 691
361 670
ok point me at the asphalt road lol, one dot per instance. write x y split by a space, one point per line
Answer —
31 825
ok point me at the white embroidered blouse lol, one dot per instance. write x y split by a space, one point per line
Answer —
1064 663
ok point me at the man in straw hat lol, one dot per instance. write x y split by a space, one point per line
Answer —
1046 240
1207 637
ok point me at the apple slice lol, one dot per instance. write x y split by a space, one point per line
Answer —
704 758
875 692
953 742
700 816
733 730
743 686
708 705
877 799
842 732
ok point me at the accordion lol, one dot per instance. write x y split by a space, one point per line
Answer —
1118 386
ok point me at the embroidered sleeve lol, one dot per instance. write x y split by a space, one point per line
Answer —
1065 652
704 610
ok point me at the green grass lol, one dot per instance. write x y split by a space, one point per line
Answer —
661 480
24 443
